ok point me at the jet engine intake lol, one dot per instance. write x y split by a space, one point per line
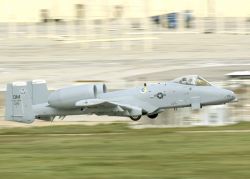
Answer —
67 97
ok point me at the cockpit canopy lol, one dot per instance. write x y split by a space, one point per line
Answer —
192 80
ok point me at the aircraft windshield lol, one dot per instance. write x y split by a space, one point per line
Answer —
192 80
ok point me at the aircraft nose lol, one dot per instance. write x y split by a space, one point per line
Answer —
229 96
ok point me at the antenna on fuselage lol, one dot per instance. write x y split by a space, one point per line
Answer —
144 89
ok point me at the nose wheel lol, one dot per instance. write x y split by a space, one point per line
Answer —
135 118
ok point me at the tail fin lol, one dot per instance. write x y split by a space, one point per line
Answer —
39 91
18 103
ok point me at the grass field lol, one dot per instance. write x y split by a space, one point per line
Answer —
116 151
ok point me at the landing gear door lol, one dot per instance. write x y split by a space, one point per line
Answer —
195 102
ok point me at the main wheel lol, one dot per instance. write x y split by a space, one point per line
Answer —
152 116
135 118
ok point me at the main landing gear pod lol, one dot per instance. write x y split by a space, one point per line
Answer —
152 116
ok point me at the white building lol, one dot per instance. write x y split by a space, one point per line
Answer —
42 10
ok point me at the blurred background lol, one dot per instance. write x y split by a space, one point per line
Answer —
125 43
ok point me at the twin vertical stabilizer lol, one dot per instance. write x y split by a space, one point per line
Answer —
19 98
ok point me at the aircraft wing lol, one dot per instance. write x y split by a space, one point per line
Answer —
132 110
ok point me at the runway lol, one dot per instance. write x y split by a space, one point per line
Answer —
101 134
173 55
216 131
58 135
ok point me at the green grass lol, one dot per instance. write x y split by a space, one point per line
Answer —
144 153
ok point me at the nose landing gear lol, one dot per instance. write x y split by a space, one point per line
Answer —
135 118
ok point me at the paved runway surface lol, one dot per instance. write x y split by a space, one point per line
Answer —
172 55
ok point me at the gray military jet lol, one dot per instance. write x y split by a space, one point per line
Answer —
27 101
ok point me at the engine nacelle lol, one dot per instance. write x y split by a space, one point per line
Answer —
67 97
101 88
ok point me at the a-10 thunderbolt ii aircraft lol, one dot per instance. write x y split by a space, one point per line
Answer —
27 101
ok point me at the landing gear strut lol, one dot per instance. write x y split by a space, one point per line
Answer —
135 118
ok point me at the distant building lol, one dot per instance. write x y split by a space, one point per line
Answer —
61 10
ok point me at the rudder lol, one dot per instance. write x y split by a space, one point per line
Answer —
18 103
38 91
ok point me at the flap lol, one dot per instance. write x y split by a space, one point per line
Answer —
109 104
